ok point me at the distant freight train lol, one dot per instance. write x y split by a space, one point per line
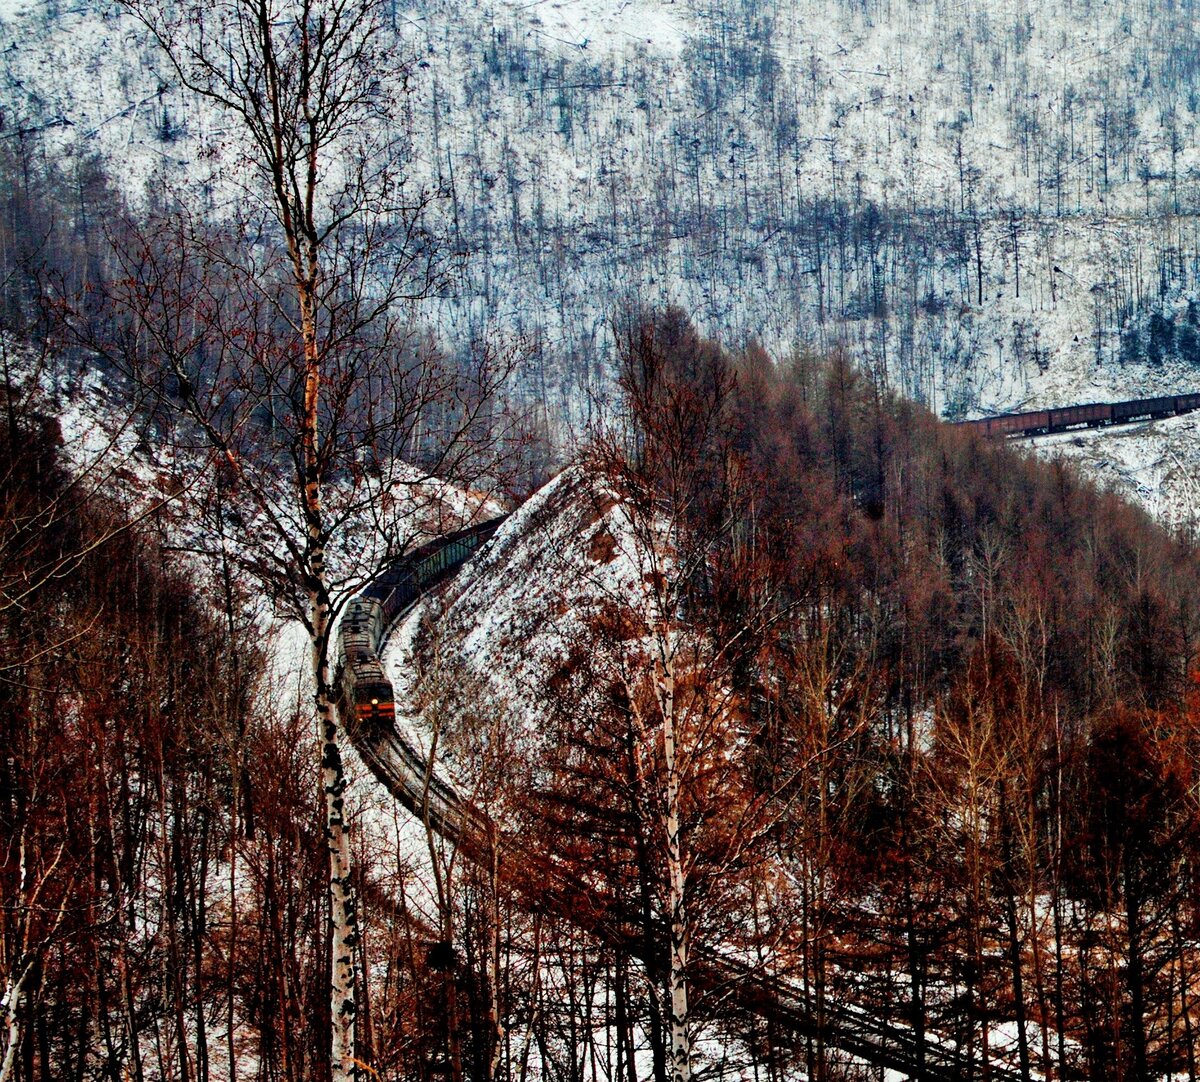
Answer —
1089 416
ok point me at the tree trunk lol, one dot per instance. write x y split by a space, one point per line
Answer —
344 918
11 1005
681 1048
652 963
496 1034
916 994
1134 971
343 1005
1018 977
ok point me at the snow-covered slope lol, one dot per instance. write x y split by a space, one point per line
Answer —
1155 464
988 204
523 608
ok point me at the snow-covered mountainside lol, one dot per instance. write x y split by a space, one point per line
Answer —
992 205
527 605
1155 464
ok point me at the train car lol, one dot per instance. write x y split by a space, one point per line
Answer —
982 426
1022 423
367 694
1010 424
1090 415
373 698
1094 413
1145 408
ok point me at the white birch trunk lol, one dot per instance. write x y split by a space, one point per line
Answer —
495 1016
25 960
14 990
343 1006
343 913
14 986
681 1046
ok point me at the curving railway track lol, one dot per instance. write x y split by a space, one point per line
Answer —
368 709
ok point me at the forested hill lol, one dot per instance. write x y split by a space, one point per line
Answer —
992 205
934 709
900 716
937 701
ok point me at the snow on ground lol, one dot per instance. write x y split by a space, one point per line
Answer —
1155 464
523 606
101 440
606 26
602 149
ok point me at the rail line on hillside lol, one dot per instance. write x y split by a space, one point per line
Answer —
1089 415
368 709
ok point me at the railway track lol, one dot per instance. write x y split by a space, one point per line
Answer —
368 710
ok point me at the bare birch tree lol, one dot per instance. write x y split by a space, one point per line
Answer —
283 337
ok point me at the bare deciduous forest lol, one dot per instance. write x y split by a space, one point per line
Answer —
781 714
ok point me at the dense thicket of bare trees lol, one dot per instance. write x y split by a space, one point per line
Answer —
932 714
120 688
903 666
908 720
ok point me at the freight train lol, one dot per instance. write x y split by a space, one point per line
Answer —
1092 415
367 694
